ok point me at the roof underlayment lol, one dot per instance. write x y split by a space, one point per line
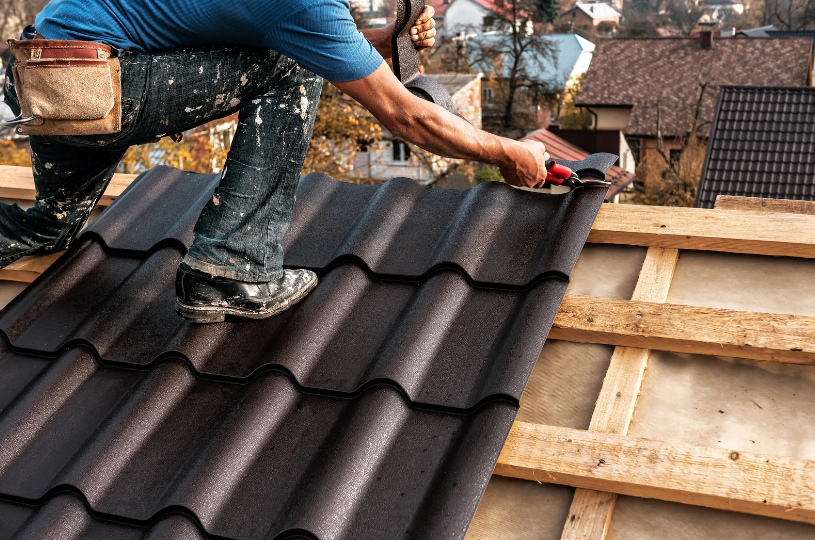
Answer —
374 409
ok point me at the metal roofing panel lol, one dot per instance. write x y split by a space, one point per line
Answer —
762 144
250 460
382 394
351 332
400 229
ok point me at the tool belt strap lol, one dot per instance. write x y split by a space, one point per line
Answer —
67 87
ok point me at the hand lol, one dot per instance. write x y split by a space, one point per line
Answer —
528 168
423 32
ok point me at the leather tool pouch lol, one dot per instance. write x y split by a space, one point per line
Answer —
67 88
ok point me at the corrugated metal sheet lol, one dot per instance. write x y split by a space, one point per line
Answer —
375 409
762 144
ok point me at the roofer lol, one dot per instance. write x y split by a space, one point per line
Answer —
188 62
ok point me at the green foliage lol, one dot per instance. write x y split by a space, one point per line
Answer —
488 173
547 10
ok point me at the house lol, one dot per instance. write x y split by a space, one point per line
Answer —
560 148
719 10
651 88
464 15
394 158
590 13
772 31
762 144
676 389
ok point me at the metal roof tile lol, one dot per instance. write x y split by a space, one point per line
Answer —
388 392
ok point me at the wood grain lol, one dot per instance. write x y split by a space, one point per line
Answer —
18 183
591 511
28 269
790 235
688 329
755 204
727 479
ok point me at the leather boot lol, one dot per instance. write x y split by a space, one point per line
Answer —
207 299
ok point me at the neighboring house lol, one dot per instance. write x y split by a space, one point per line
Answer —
634 85
761 31
718 10
393 158
560 148
463 15
772 31
590 13
762 144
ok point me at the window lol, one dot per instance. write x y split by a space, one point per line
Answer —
401 152
634 145
486 96
676 155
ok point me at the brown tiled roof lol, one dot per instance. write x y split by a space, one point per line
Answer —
644 72
560 148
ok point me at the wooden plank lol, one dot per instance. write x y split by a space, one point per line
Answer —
690 329
755 204
591 511
727 479
28 269
789 235
18 183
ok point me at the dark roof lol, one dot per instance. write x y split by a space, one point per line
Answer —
668 71
762 144
560 149
376 408
791 33
453 82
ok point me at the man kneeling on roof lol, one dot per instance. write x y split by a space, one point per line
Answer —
187 62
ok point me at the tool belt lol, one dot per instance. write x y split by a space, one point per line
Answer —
66 88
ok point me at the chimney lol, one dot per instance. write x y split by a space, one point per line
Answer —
706 35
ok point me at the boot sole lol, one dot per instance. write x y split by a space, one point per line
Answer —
212 314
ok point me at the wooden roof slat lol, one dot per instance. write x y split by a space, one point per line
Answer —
591 511
688 329
755 204
18 183
726 479
789 235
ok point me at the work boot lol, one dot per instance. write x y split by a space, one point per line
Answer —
208 299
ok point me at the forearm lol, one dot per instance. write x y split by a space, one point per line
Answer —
380 38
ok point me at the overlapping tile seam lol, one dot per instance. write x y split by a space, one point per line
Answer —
174 357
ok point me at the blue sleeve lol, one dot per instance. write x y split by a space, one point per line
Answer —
324 39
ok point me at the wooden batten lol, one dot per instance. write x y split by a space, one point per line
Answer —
789 235
688 329
18 183
754 204
726 479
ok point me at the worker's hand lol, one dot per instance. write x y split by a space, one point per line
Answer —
529 167
423 32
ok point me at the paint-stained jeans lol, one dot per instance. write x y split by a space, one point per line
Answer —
239 231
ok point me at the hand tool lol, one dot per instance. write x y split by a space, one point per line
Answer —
561 175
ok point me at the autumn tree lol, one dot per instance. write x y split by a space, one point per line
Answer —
685 15
518 57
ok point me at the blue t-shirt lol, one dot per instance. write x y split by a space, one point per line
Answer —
319 34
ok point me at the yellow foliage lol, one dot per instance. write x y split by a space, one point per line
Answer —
11 154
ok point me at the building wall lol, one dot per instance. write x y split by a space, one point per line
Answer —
580 18
611 117
463 14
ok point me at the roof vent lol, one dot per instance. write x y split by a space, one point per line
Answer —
706 35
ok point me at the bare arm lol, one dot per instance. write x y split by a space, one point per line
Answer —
434 129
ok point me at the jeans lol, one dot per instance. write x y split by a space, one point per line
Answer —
239 231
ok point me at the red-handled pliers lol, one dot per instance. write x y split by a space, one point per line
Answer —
561 175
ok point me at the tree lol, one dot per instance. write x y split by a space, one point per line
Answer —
548 10
342 129
680 168
684 15
517 56
790 14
